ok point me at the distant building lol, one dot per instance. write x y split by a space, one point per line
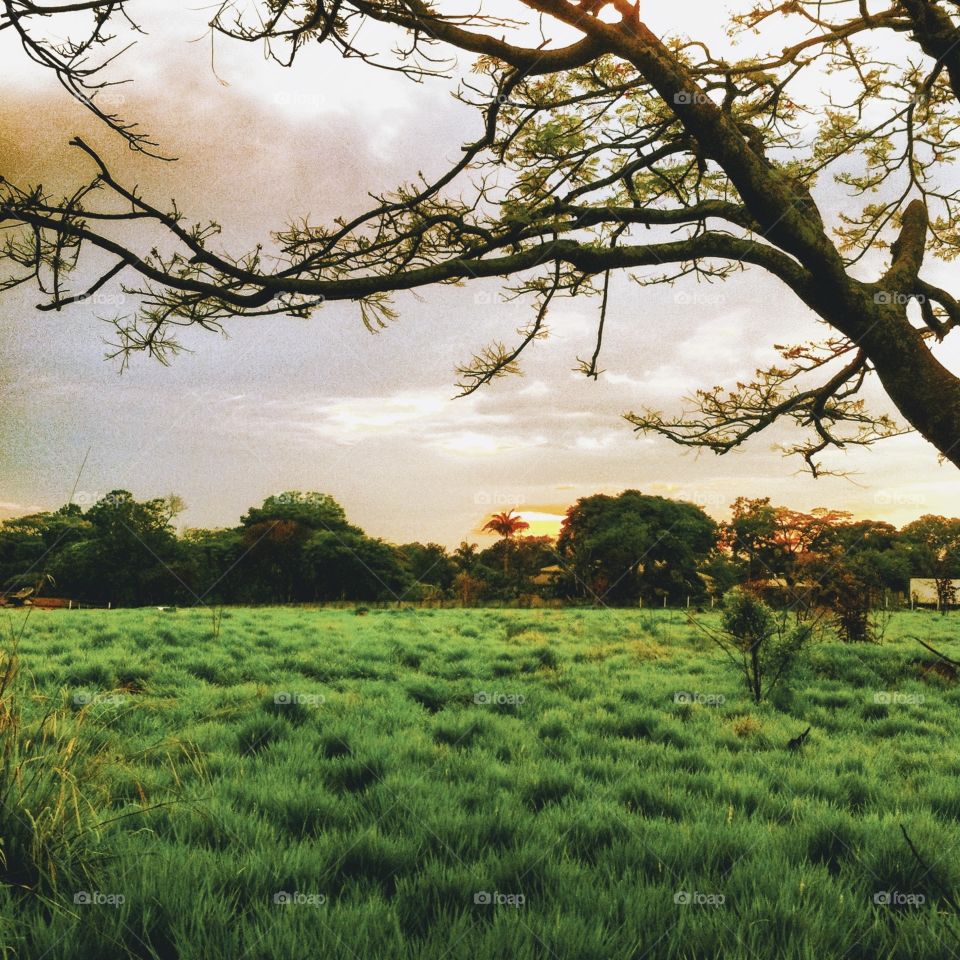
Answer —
549 575
923 590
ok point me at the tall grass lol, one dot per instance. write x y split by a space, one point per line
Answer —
49 821
402 780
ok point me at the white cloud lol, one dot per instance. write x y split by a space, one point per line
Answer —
535 389
406 414
593 443
664 382
472 444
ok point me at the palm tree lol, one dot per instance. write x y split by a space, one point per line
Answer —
466 555
507 525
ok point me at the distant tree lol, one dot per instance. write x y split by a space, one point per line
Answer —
211 560
531 555
799 534
750 537
621 548
516 561
428 564
317 511
468 588
466 556
274 549
867 535
879 551
506 525
30 545
720 573
933 543
348 565
128 556
770 541
274 536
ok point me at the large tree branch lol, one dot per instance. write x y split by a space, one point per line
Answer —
613 132
938 37
779 206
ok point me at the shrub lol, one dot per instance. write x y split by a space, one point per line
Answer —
763 645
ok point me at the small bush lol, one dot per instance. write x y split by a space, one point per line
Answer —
763 645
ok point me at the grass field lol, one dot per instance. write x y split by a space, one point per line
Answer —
492 784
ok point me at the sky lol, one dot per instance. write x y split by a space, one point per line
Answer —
321 404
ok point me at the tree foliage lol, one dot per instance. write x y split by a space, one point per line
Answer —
622 548
616 151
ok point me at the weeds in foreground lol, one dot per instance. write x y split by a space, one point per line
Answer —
48 824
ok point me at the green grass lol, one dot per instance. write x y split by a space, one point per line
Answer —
390 771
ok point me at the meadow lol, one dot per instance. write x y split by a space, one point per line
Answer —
589 784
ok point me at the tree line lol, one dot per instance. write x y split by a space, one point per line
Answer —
620 550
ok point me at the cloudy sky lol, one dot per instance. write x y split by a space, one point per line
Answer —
323 404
